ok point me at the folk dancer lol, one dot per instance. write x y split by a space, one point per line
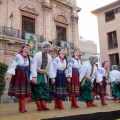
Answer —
114 79
40 87
58 78
20 75
73 74
87 76
102 82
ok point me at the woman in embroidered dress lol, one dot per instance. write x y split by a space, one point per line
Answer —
20 75
101 82
58 79
73 85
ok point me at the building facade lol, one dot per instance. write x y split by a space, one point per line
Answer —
109 32
89 48
49 20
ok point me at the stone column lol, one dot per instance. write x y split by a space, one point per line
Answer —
75 32
47 19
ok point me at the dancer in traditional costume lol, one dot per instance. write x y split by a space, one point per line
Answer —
58 79
19 71
114 79
101 82
87 76
40 87
72 74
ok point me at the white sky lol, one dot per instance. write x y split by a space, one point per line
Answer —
87 21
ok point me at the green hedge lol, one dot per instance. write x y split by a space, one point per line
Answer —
3 69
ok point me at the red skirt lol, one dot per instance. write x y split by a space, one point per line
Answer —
19 85
94 88
101 90
73 88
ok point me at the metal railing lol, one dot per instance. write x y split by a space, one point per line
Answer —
11 32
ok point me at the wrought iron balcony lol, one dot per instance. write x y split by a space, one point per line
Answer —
11 32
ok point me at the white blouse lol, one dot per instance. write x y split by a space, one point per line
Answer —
57 64
19 60
101 73
73 64
86 71
113 75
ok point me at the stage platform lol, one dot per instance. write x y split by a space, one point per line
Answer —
10 111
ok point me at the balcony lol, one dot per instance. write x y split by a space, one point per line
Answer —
15 33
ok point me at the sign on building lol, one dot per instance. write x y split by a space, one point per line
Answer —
67 49
32 40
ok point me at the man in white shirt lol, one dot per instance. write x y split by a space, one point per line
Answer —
41 65
87 76
114 79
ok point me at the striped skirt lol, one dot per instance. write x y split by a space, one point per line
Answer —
74 86
59 90
19 85
101 90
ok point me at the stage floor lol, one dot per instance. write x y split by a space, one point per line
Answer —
10 111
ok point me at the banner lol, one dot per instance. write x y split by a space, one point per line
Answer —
67 49
32 40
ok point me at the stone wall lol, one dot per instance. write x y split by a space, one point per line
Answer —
44 12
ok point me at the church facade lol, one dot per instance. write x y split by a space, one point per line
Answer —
49 20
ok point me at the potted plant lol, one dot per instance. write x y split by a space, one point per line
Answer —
3 69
